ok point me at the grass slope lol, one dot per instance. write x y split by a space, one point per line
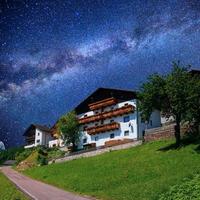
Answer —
8 190
189 189
143 172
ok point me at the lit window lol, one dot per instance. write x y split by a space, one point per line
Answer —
126 118
85 140
112 135
96 138
126 133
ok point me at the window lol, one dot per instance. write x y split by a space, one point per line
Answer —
38 133
112 120
126 133
96 124
151 123
85 115
126 118
112 108
126 104
96 138
96 112
85 140
101 121
38 141
112 135
84 128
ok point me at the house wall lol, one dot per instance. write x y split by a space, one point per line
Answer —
130 126
42 138
154 121
134 126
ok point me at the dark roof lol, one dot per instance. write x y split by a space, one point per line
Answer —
33 127
103 93
195 71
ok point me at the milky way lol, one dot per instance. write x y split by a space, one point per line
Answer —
55 53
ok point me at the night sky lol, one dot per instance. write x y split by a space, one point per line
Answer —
53 54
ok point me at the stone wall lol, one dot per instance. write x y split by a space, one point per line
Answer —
159 133
166 131
97 152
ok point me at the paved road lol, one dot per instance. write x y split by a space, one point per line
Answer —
38 190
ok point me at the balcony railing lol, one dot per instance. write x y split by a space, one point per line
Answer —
108 114
102 128
103 103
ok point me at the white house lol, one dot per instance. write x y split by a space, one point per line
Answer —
111 116
37 135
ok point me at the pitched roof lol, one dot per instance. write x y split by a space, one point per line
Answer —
103 93
195 71
34 126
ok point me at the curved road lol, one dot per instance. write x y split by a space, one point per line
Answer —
37 190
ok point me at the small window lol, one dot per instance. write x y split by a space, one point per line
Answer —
112 120
85 140
84 128
96 112
38 133
126 104
38 141
126 133
101 121
151 123
96 138
126 118
85 115
112 135
96 124
111 108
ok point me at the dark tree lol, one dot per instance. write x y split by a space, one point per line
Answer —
171 94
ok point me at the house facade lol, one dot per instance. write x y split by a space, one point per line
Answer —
106 117
37 135
111 116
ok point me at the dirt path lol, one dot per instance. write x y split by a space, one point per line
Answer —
37 190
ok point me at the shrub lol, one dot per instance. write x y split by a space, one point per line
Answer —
20 156
189 189
10 154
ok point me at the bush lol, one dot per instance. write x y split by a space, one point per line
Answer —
10 154
189 189
20 156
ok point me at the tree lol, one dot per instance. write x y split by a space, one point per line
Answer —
193 114
69 127
170 94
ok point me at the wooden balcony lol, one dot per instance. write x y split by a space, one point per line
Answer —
103 103
102 128
30 139
108 114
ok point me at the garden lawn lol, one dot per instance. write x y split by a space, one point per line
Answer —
8 191
139 173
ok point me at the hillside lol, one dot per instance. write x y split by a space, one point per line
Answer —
143 172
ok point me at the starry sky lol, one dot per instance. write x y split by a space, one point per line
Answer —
54 53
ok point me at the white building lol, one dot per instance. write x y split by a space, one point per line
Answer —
110 116
37 135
